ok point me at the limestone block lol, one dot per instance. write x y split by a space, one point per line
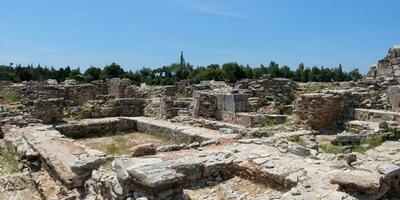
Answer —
393 94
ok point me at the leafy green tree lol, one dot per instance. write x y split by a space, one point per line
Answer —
112 71
273 70
92 73
233 72
214 72
355 75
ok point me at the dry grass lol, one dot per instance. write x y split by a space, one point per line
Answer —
8 162
121 143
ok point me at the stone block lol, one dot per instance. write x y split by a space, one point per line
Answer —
393 94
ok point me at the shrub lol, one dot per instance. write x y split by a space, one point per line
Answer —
12 97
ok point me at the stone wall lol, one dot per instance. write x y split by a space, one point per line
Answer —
204 104
48 110
108 106
388 67
76 95
278 90
323 110
167 105
8 86
120 88
95 127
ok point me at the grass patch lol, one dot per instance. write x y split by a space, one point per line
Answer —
118 146
302 142
368 144
373 94
269 122
8 162
12 97
181 95
330 148
312 89
285 109
263 133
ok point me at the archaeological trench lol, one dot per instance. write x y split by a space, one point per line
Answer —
256 139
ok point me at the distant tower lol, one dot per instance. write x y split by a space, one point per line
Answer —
182 59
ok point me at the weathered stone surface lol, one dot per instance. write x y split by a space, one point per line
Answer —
393 94
375 115
95 127
358 181
177 131
109 106
48 110
143 150
16 187
323 110
104 185
68 161
346 138
386 67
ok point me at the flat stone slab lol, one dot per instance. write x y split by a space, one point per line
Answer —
177 131
359 126
67 160
358 181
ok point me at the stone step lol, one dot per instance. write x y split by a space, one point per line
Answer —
375 115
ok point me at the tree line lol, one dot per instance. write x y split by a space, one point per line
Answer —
228 72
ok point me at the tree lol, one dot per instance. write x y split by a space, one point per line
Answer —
233 72
76 75
355 75
299 73
273 70
92 73
339 75
287 72
214 72
112 71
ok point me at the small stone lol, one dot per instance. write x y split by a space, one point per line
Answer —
226 131
383 126
194 145
269 165
260 161
143 150
389 169
295 191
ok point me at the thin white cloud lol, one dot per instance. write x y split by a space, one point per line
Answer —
201 7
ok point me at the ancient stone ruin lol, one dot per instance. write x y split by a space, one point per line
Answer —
267 138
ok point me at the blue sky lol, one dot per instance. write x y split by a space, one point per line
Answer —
355 33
